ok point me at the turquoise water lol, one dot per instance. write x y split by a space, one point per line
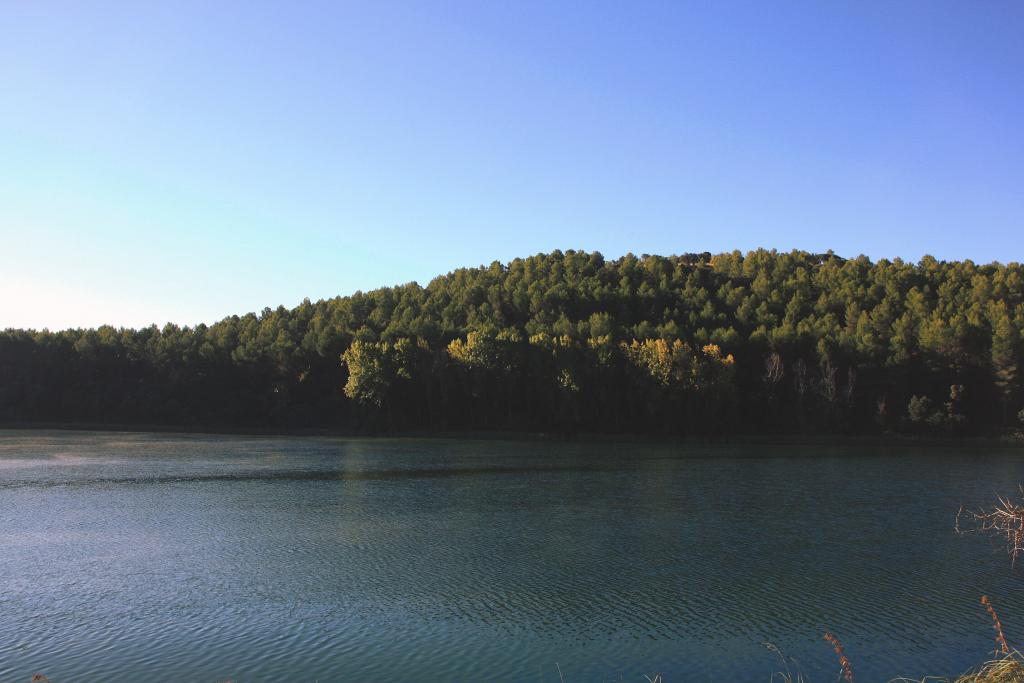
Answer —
144 557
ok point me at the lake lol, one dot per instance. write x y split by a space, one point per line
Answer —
174 558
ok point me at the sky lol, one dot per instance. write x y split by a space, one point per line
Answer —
185 161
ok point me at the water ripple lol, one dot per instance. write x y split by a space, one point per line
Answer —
188 558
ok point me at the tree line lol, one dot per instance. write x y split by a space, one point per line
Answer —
762 342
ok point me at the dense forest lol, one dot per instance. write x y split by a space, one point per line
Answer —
762 342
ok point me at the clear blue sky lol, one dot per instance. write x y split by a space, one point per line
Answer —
190 160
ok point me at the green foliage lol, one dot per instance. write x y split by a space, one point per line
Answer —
763 341
371 371
919 409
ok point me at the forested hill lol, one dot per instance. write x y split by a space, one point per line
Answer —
763 342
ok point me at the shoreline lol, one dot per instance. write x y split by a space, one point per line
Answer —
875 440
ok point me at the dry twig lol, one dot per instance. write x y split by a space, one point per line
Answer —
1005 519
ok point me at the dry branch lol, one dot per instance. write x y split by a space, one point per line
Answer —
1005 520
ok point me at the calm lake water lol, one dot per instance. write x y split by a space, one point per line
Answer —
143 557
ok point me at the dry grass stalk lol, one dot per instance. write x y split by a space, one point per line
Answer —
1004 647
1006 670
1006 520
844 661
786 675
